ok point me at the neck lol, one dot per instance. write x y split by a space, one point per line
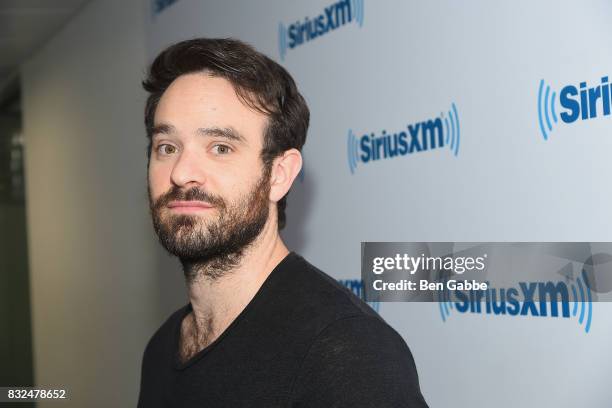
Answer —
217 301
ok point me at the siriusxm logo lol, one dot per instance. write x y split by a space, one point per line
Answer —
521 301
357 287
579 103
442 131
333 17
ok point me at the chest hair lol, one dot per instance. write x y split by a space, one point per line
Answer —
195 336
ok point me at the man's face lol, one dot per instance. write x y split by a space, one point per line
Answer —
208 190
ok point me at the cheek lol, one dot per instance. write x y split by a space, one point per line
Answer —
234 187
159 179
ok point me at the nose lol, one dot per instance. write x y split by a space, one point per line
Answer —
188 170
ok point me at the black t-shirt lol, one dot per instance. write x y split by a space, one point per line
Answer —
304 340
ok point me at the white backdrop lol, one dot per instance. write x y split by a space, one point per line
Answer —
399 63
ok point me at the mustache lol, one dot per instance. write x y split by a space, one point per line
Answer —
192 194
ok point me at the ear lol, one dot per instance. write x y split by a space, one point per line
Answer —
285 169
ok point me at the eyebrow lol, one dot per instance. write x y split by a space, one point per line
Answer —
228 132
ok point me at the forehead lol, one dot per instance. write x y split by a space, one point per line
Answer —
199 100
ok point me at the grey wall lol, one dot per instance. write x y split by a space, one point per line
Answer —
97 284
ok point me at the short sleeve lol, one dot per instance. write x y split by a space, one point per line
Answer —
358 362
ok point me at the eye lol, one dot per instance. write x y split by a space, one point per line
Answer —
221 149
166 149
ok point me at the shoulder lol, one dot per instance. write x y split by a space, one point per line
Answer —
157 360
363 341
313 289
358 361
161 340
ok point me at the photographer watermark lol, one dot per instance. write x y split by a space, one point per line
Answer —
496 275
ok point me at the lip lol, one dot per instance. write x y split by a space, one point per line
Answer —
187 206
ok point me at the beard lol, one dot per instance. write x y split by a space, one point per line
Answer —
210 248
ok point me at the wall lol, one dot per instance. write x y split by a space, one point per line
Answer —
95 272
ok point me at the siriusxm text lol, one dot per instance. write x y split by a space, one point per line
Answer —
333 17
530 298
418 137
583 102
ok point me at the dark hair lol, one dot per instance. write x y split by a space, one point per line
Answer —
260 83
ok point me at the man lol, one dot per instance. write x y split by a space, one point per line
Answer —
263 327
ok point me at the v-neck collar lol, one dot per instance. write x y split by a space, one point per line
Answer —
178 365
